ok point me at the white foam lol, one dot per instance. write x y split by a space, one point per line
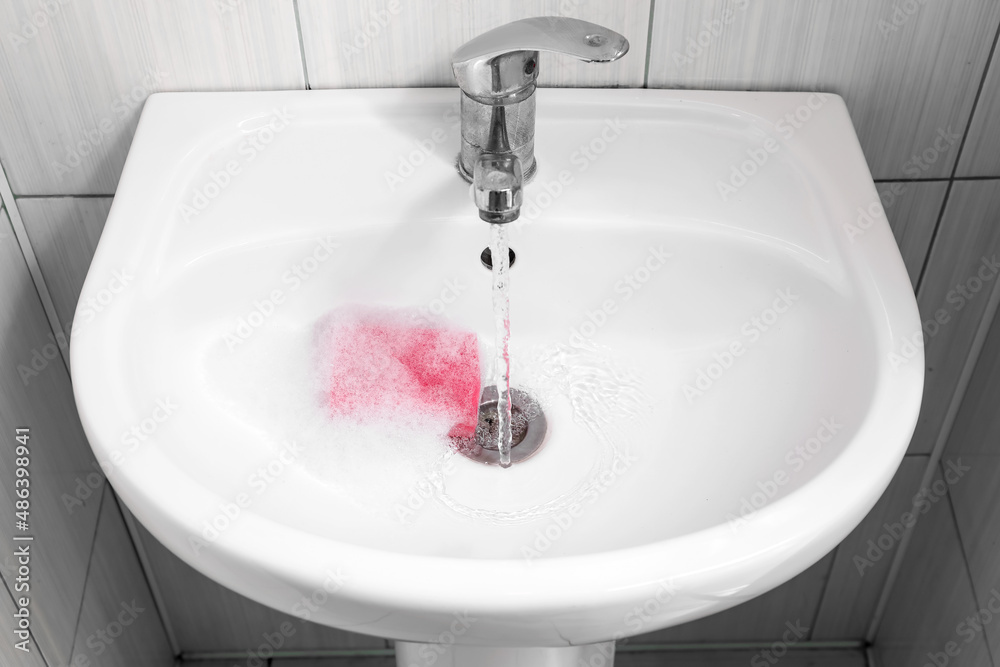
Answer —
273 381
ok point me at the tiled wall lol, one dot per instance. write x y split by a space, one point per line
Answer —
73 517
953 564
926 104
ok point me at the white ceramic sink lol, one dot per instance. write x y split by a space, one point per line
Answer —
747 388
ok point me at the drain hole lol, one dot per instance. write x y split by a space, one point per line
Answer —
487 430
486 257
528 426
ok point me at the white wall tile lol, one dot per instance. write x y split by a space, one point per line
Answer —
968 239
902 85
913 209
76 84
930 599
35 392
977 511
860 569
737 658
386 43
9 655
119 624
981 153
975 441
977 425
207 616
64 232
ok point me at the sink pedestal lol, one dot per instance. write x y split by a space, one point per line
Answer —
412 654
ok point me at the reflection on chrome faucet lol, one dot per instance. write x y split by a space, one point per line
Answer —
497 72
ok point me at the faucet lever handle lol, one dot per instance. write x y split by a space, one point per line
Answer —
500 66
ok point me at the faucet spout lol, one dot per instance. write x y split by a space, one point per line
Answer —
496 187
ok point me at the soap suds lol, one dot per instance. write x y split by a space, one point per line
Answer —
376 362
373 445
369 447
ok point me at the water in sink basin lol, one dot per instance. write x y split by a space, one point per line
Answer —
664 330
390 459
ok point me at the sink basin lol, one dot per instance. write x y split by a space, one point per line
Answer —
707 302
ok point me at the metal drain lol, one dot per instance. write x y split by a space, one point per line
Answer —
486 257
528 426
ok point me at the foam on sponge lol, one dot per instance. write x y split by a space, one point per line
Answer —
377 362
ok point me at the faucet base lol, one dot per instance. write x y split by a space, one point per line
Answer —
486 131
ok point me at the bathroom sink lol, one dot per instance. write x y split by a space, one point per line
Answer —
707 302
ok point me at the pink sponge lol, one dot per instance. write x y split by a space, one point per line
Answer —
377 362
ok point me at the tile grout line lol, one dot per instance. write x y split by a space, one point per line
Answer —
708 647
66 196
934 236
939 444
965 559
86 575
207 656
649 44
147 572
990 58
943 179
957 179
826 586
978 340
6 195
21 232
6 589
302 44
41 289
9 204
805 645
961 149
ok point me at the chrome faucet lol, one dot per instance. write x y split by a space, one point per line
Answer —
497 72
496 187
